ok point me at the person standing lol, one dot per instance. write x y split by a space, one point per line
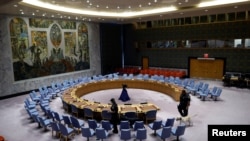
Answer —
115 116
184 103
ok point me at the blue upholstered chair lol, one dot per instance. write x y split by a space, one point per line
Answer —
141 134
178 131
217 94
125 134
88 113
106 115
138 125
58 117
67 121
74 110
77 123
155 125
150 115
164 133
93 124
87 132
101 133
168 122
124 124
55 128
106 125
65 131
44 122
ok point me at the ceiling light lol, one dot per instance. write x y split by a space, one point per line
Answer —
219 2
38 3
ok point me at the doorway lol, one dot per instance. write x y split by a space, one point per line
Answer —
145 62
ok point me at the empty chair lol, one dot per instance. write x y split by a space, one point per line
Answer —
106 125
87 132
217 94
101 133
125 134
44 122
164 133
76 123
141 134
178 131
93 124
138 125
204 94
131 117
106 115
58 117
194 90
65 131
51 114
155 125
31 112
74 110
124 124
168 122
55 127
203 89
66 120
150 115
88 113
213 91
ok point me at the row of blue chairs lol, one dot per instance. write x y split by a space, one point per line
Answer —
203 91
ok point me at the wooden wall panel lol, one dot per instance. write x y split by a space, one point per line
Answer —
205 68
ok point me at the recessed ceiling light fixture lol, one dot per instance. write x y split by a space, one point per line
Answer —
219 2
124 14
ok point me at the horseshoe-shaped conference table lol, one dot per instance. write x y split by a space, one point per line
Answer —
73 96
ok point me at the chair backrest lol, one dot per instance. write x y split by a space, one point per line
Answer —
57 116
75 122
106 125
214 89
92 124
87 132
151 114
130 115
141 134
124 124
74 109
106 115
169 122
166 132
125 134
218 92
180 130
101 133
157 124
138 125
88 113
55 126
63 129
67 120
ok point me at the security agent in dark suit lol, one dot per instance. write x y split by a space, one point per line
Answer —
184 103
115 115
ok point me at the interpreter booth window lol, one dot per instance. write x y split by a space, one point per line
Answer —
247 43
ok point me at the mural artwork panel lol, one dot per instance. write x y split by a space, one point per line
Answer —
51 51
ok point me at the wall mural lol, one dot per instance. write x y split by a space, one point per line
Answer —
49 49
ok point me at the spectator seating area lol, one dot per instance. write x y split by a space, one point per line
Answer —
152 71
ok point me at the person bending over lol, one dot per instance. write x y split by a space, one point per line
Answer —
184 103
